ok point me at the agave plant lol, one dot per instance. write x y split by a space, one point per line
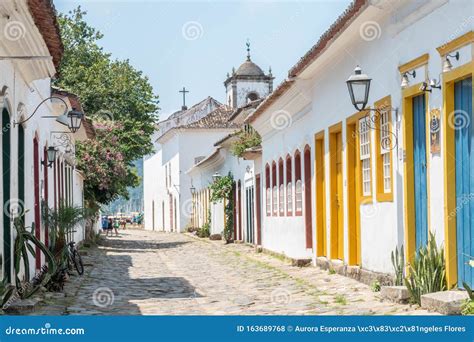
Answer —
427 273
398 262
25 243
6 291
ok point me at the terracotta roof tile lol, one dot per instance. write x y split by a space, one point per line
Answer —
218 118
44 16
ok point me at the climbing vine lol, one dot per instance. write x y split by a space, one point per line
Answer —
222 190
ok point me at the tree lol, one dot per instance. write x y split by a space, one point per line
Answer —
112 90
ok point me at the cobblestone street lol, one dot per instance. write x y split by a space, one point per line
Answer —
151 273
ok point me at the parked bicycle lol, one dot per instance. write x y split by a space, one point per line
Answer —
74 258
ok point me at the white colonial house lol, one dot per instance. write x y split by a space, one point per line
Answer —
222 162
347 187
30 52
186 139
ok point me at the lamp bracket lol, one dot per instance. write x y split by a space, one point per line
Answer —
39 105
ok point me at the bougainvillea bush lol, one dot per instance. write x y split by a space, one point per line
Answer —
103 164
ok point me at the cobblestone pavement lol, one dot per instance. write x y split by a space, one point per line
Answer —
151 273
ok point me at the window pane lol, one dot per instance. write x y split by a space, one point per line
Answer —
386 173
289 197
298 196
275 202
282 199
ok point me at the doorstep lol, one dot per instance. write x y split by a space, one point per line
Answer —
397 294
444 302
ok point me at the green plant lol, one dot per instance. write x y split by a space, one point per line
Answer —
398 262
25 242
467 308
229 223
427 273
340 299
222 189
375 286
245 139
6 291
332 271
205 230
61 223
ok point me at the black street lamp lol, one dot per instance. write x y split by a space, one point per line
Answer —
72 119
75 118
359 87
51 153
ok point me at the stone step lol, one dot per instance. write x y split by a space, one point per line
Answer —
444 302
22 306
397 294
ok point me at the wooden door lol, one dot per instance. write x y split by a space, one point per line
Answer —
6 194
337 221
419 170
36 179
258 200
307 198
464 137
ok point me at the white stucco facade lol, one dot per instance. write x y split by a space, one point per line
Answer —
318 100
24 84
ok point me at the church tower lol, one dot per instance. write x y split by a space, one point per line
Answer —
247 83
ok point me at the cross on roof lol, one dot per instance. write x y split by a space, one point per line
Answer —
248 49
184 91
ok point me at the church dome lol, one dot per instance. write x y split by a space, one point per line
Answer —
249 68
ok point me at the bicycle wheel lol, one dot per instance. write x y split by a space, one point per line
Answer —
77 260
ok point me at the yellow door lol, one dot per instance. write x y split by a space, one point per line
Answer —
337 220
339 202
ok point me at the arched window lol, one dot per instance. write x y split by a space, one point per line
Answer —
252 96
298 185
268 194
281 188
289 187
274 190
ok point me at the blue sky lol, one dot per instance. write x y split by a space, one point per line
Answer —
195 43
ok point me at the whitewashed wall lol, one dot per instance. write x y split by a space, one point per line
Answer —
403 31
179 151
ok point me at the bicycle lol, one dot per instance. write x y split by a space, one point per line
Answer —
75 258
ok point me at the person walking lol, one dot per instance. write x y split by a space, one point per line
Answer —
105 224
116 226
109 227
